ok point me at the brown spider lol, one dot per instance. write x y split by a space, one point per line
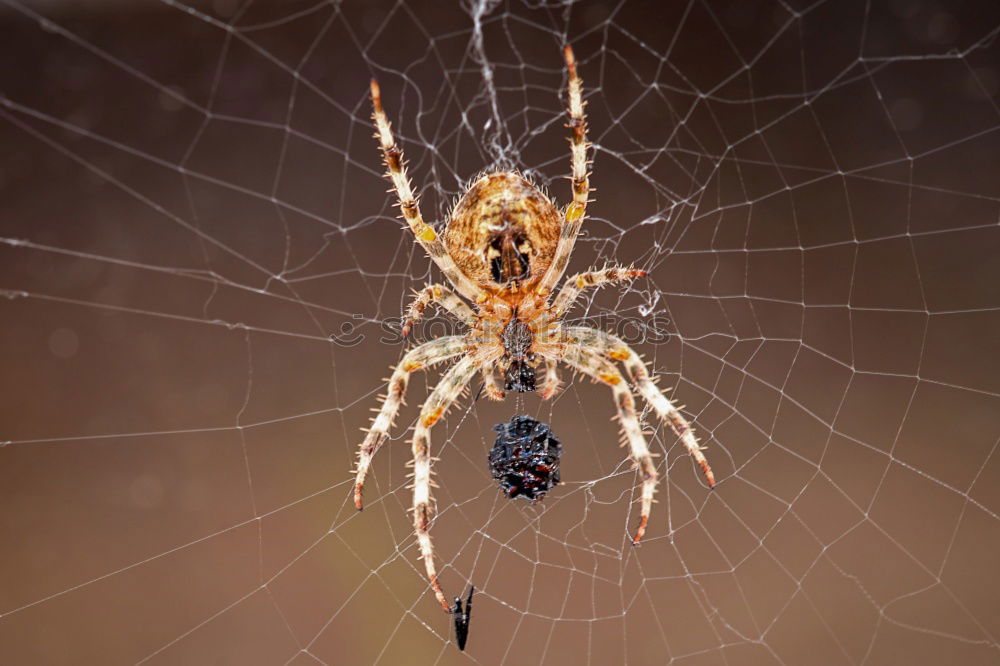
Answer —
505 247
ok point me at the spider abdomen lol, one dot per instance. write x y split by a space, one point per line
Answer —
503 229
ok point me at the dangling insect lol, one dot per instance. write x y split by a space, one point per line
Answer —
462 617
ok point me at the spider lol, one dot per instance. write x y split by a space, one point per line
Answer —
504 248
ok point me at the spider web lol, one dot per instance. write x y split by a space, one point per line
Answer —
193 206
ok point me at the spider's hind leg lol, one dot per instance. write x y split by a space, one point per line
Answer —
417 358
444 394
613 347
601 370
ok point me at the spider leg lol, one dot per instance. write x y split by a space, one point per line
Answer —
425 235
417 358
613 347
490 384
552 382
448 389
577 283
581 184
593 365
437 293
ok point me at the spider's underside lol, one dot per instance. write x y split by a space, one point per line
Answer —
504 249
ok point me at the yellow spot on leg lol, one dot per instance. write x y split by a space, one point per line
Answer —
425 233
410 366
574 212
608 378
619 354
431 417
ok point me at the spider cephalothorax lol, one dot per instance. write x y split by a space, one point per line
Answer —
505 247
517 338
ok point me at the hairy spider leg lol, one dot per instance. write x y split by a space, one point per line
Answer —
613 347
417 358
596 367
581 184
425 235
552 382
445 297
444 394
575 285
491 387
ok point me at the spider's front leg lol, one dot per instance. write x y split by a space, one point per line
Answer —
594 366
417 358
577 283
425 235
437 293
581 182
613 347
445 393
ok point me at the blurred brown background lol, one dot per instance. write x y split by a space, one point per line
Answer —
192 205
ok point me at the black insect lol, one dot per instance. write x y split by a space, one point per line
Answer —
525 458
462 618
